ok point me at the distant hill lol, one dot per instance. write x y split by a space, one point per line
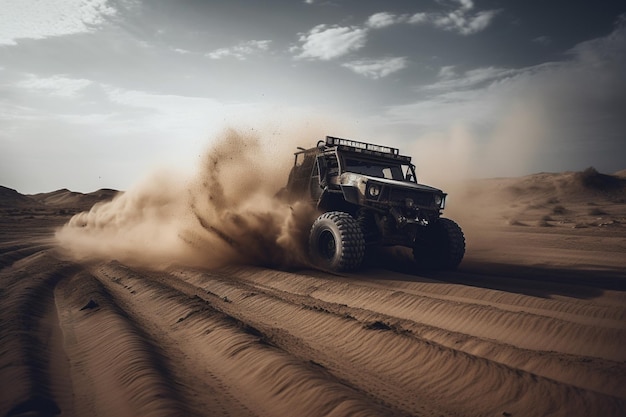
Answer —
587 185
65 198
9 198
621 174
59 199
568 199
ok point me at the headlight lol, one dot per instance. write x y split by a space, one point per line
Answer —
373 190
438 200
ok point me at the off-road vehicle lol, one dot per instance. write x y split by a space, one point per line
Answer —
369 196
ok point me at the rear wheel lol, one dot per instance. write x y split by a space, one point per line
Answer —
336 242
441 245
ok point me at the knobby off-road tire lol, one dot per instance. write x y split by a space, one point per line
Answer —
440 246
336 242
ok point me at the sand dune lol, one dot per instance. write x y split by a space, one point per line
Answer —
67 199
532 324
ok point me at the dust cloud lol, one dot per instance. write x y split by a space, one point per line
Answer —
460 159
224 213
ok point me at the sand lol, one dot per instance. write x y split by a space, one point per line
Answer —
533 323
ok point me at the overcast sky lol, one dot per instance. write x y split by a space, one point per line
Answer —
93 92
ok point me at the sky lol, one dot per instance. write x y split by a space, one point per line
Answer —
94 93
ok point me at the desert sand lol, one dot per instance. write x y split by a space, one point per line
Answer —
100 318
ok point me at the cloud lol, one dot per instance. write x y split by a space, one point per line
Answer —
461 20
241 51
543 40
475 98
376 68
449 80
118 111
604 51
329 42
447 72
175 115
563 115
418 18
383 19
57 85
32 19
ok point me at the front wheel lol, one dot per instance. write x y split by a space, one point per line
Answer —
440 245
336 242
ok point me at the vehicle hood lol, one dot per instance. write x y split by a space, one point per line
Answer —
348 177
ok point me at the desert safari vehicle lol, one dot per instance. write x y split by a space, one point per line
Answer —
369 196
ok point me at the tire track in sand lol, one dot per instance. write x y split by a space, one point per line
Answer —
67 349
395 366
595 374
266 379
32 361
115 369
518 320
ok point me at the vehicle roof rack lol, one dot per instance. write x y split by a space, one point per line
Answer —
366 148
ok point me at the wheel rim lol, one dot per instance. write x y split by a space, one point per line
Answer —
327 245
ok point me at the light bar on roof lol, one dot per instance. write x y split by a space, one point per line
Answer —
333 141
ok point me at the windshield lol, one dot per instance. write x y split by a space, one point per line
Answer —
391 170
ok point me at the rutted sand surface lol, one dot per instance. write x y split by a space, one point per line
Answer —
492 339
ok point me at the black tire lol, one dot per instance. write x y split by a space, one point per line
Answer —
440 246
336 242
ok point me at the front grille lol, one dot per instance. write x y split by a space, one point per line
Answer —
419 198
